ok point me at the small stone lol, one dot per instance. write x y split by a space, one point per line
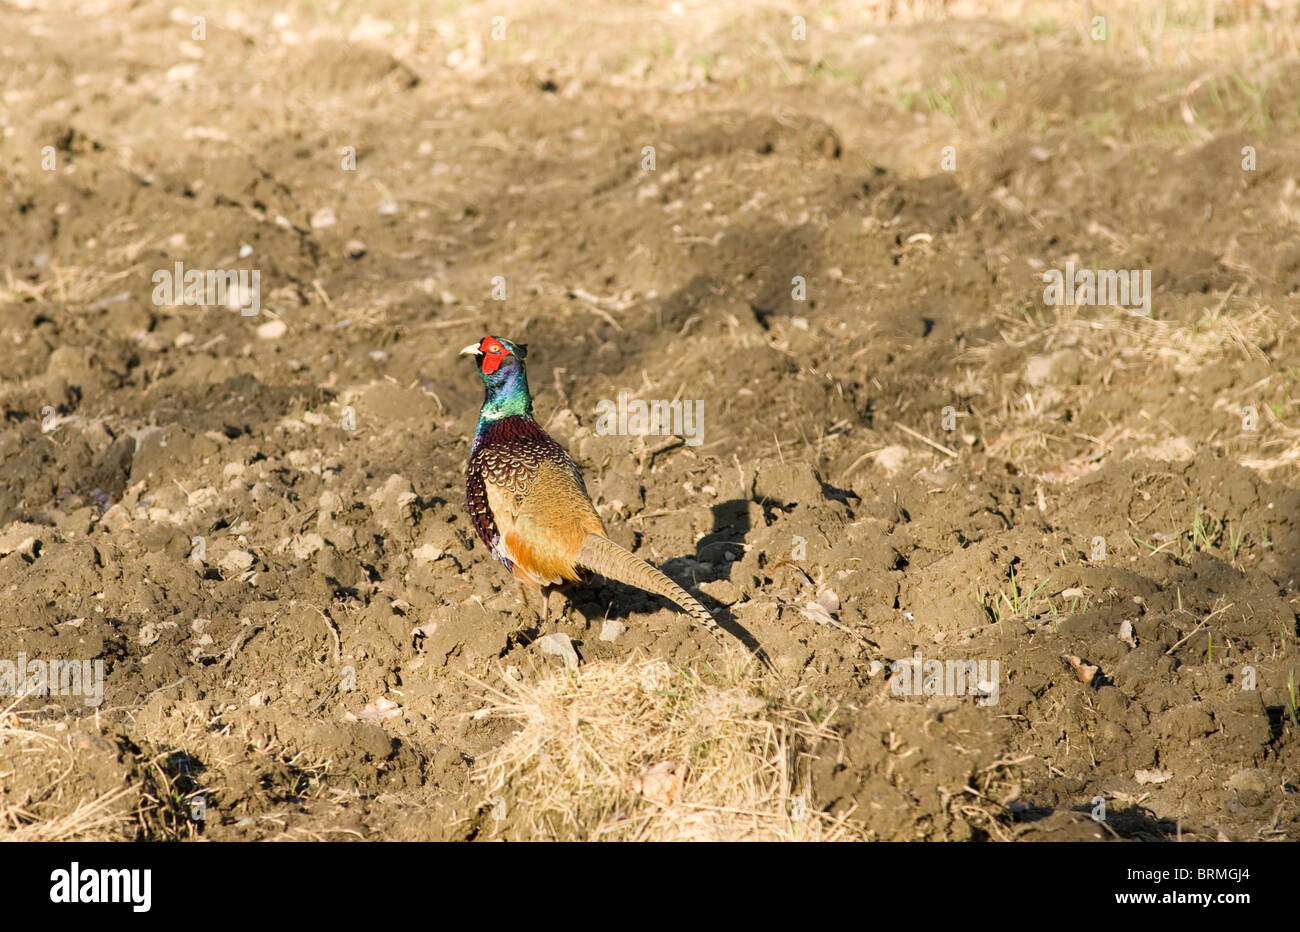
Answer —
237 561
355 248
272 330
180 73
323 218
559 645
829 600
304 546
427 553
393 502
21 538
611 629
379 710
1086 672
329 502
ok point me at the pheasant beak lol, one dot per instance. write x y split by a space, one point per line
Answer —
471 350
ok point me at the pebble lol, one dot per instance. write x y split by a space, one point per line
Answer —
272 329
237 561
559 645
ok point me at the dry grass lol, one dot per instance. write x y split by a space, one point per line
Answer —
65 781
98 819
1022 422
44 806
662 45
641 750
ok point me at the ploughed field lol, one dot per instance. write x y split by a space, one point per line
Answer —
954 363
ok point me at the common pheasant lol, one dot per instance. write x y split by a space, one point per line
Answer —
527 500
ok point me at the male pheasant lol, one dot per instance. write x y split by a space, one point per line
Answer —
527 500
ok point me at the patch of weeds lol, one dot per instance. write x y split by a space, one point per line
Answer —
1016 602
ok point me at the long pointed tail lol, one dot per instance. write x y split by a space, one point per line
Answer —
601 555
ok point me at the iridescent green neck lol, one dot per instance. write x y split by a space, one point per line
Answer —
509 397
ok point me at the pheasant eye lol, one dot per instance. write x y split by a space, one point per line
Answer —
494 348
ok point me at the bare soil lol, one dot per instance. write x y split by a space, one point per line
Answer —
916 432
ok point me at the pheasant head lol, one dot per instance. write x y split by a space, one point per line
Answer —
501 367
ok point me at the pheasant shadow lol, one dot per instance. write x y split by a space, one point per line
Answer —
715 555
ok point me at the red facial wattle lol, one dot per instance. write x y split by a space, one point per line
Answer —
493 354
